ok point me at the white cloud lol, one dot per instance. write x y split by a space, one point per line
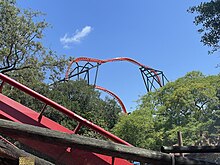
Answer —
76 37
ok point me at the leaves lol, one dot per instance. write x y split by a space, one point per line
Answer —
209 19
137 128
24 58
20 43
83 100
190 105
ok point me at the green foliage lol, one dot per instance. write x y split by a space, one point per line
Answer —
209 19
190 105
111 112
24 58
21 47
137 128
22 55
84 101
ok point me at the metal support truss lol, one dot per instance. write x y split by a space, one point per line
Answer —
152 78
82 72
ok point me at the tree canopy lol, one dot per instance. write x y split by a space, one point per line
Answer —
208 17
24 57
86 102
190 105
21 48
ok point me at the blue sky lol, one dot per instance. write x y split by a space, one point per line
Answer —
159 34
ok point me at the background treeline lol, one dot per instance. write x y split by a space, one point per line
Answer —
190 104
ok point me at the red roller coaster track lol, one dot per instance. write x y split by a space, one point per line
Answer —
86 59
110 60
60 108
12 110
115 96
151 77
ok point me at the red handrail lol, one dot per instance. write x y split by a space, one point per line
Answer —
62 109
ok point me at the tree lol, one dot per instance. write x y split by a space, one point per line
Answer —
22 54
24 58
83 100
190 105
209 19
111 112
21 48
137 128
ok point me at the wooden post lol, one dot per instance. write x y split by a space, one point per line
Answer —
93 145
180 141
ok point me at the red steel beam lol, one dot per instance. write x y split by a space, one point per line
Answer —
62 109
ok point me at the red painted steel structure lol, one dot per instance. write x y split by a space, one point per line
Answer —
62 109
150 76
14 111
115 96
112 60
11 110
